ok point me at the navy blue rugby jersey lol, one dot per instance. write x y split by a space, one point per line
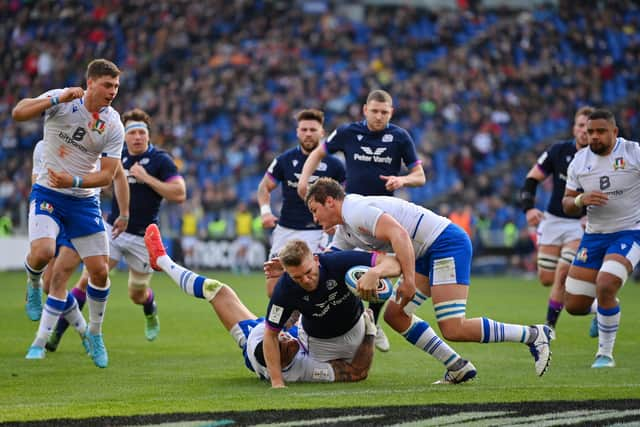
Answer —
286 170
555 161
370 154
331 309
144 202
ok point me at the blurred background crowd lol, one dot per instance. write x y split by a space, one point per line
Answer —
483 90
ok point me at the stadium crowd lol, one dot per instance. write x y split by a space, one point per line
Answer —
482 91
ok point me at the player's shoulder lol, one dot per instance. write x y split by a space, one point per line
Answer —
562 146
397 130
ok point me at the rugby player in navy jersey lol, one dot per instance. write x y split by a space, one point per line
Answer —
374 150
295 219
332 325
247 330
435 255
559 234
153 176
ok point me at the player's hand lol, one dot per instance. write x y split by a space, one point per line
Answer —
269 220
534 216
278 385
392 183
594 198
119 226
368 284
71 93
273 268
139 173
405 292
59 179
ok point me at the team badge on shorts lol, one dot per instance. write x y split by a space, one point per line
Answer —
582 255
46 206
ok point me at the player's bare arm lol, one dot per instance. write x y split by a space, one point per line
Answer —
97 179
173 191
310 165
265 188
358 369
30 108
528 194
390 230
271 347
386 266
573 201
415 178
121 193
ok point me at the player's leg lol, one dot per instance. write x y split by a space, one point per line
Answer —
225 302
420 334
622 257
43 230
94 249
449 264
57 302
78 294
548 261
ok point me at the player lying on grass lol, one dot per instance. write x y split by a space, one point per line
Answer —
247 329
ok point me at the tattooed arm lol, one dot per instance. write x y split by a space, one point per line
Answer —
358 369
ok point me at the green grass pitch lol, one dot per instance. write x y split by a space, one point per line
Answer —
194 366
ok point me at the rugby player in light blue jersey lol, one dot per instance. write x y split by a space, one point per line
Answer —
435 256
152 176
295 219
606 179
374 151
248 331
81 129
558 234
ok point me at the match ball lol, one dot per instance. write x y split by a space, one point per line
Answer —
385 287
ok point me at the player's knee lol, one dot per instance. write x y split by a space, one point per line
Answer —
615 274
545 277
40 255
546 268
138 283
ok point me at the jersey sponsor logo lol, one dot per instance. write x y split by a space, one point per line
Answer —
74 109
275 314
387 137
359 137
74 140
568 159
371 155
322 167
618 163
144 161
294 163
331 284
294 184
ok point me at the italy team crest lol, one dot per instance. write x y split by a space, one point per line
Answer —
46 206
97 125
582 255
618 163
